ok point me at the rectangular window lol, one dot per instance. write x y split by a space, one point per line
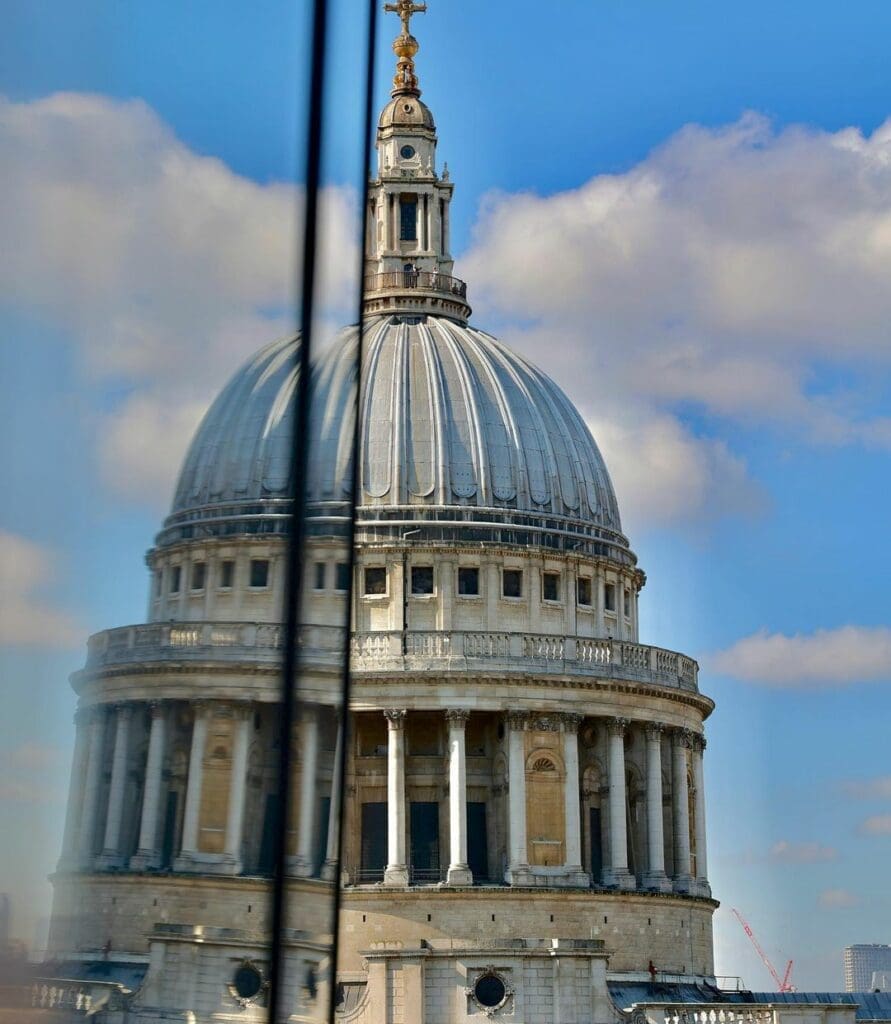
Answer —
319 581
375 580
627 604
550 586
421 579
199 571
175 575
159 581
469 582
342 576
408 218
512 582
609 597
227 573
583 590
259 572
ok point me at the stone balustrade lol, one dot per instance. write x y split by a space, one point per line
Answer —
395 651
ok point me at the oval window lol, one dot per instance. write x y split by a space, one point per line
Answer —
407 152
489 990
247 981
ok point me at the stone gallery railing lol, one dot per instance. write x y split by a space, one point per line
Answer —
395 651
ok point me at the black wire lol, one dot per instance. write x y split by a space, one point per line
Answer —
346 678
294 548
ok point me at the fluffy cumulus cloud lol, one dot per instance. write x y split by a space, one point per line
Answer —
784 852
723 273
27 618
163 266
826 658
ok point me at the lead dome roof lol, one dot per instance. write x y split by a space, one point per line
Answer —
457 433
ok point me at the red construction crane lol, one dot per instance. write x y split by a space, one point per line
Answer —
783 984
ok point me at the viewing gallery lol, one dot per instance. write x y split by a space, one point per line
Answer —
524 821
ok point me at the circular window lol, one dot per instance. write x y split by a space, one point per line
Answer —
489 990
247 981
407 152
408 108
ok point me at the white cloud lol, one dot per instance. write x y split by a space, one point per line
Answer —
784 852
164 266
27 619
723 272
876 825
829 657
836 899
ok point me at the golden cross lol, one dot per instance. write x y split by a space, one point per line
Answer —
405 9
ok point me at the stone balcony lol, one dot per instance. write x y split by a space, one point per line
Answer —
396 652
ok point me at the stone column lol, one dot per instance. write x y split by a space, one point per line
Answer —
148 854
518 857
87 831
332 849
111 848
68 859
702 886
572 801
617 873
655 877
459 872
238 786
683 881
192 812
302 864
396 872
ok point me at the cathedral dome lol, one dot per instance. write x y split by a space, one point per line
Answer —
458 433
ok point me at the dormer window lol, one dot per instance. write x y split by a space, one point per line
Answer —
408 218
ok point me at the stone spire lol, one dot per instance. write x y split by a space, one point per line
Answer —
405 46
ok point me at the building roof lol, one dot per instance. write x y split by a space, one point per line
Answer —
454 428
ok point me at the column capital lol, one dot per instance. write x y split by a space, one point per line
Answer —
571 721
683 738
654 730
123 709
457 717
617 726
156 708
200 708
242 710
698 741
395 717
516 720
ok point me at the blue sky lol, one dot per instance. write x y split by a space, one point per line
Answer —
712 297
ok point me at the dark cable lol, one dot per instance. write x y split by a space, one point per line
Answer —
294 548
346 677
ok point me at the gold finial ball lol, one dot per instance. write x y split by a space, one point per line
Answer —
405 46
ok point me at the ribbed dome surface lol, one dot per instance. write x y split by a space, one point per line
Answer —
449 418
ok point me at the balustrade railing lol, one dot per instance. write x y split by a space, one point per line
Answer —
420 280
395 651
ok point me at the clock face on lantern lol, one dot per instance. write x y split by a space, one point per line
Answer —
407 152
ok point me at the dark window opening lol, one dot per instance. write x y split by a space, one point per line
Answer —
342 576
373 736
477 847
422 579
319 583
468 582
424 832
512 582
550 586
408 218
490 991
259 572
595 836
627 604
199 571
376 580
583 589
373 856
159 579
175 574
227 573
609 597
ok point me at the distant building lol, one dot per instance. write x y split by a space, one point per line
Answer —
862 962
